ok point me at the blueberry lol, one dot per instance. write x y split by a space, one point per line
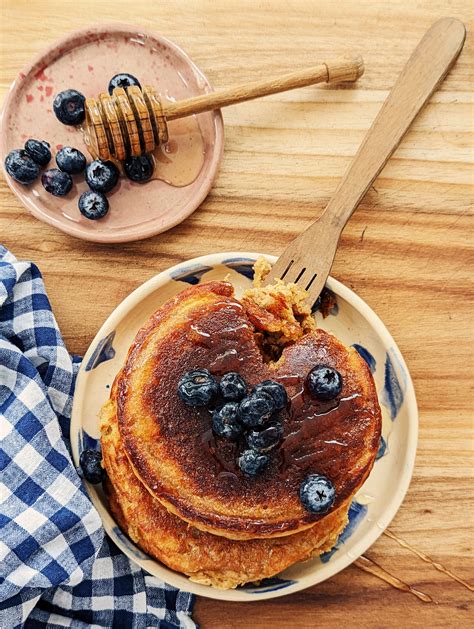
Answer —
39 151
21 167
252 463
122 80
266 439
139 168
256 409
90 462
233 386
325 383
225 421
276 390
70 160
317 493
93 205
69 107
197 388
56 182
101 176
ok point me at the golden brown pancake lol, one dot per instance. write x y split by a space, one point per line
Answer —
193 474
206 558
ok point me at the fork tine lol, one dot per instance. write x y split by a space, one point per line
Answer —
307 278
307 260
294 271
280 269
291 270
286 269
315 289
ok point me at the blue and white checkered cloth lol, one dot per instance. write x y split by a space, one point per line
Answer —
57 569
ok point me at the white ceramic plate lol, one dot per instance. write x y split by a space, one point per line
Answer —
355 324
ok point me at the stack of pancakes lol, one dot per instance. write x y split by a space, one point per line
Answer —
174 488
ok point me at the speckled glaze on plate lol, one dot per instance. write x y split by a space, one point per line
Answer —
86 60
352 321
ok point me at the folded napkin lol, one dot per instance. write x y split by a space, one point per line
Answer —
57 569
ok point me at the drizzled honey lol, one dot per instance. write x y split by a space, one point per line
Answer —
130 122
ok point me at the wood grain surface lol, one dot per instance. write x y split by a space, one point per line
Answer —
408 249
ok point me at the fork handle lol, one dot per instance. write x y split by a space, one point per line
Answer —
426 68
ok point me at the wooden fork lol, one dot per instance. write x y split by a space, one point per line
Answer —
309 257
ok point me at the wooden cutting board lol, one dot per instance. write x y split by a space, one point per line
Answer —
407 250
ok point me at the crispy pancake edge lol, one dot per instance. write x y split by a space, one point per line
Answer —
205 558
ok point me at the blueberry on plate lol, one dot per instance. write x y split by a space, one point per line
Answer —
317 493
256 409
21 167
197 387
252 463
93 205
101 176
70 160
39 151
225 421
233 386
123 79
139 169
90 462
266 439
324 383
69 107
276 390
56 182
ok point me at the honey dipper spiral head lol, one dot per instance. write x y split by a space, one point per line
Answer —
127 123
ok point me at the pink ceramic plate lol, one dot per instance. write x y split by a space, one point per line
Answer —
86 60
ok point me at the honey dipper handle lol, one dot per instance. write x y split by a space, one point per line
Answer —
349 69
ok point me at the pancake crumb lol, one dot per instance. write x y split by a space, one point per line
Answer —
279 312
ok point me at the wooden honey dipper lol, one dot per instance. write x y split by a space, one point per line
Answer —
133 121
